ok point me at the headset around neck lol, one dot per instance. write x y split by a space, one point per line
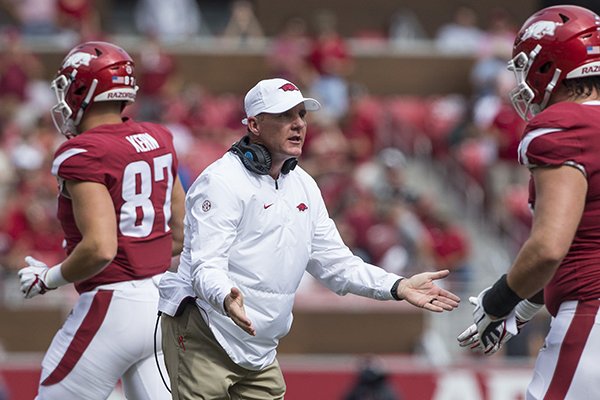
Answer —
256 158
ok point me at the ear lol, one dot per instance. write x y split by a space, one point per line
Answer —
253 126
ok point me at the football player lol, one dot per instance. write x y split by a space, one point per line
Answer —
556 61
120 205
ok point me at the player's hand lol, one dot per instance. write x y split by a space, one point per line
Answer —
420 291
489 328
522 314
470 336
33 278
234 307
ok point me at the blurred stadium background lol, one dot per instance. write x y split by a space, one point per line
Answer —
415 152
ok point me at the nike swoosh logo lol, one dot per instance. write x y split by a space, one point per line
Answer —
267 205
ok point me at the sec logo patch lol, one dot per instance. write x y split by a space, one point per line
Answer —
206 205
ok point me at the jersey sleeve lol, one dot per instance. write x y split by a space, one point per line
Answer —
78 160
553 138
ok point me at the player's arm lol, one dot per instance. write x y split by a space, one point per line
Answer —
560 200
95 217
177 213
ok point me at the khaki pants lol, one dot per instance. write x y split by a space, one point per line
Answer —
199 368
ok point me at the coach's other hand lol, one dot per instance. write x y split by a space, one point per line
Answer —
234 307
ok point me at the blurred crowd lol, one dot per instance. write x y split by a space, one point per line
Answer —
359 148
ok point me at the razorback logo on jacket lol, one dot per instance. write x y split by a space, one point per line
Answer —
302 207
289 87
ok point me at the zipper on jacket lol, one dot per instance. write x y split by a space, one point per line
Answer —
276 185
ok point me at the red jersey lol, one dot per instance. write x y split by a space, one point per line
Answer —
569 133
138 165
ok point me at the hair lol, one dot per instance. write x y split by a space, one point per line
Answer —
582 87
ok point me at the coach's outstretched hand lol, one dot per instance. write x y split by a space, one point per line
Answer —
420 291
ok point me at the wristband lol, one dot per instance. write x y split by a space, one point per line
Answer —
394 290
526 309
54 277
500 299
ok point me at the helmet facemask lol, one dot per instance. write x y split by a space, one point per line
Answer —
62 114
522 96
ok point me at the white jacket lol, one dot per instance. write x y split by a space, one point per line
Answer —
251 232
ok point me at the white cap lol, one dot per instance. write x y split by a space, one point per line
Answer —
275 96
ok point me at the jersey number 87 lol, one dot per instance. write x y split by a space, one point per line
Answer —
129 224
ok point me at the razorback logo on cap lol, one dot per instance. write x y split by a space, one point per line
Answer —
288 87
